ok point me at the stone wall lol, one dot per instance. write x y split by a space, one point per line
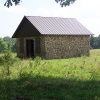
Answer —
56 46
64 46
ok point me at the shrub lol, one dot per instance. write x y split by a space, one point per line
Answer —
3 45
7 60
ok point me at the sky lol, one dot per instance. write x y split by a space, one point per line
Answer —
85 11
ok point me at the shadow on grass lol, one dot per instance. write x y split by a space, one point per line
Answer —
48 88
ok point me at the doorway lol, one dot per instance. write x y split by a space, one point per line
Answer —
30 48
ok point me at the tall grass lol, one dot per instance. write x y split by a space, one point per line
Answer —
62 79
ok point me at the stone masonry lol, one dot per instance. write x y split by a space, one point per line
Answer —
58 46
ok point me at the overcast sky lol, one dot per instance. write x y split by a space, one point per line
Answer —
86 11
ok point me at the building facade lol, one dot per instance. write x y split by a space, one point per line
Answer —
35 40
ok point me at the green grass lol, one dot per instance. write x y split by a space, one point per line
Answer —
60 79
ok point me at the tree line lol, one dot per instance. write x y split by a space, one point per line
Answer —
7 43
95 42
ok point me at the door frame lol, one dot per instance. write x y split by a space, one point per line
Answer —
25 47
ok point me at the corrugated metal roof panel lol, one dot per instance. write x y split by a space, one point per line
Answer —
58 26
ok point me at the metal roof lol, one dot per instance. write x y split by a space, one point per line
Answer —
58 26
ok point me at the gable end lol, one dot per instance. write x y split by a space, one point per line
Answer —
25 29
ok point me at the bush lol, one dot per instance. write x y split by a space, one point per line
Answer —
7 60
3 45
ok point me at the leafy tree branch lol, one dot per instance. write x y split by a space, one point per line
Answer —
9 3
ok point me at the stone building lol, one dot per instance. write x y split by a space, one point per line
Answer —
51 37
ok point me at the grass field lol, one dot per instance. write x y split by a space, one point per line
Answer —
63 79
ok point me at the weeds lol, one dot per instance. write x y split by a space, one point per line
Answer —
7 61
37 79
37 61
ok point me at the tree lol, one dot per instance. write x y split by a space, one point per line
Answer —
65 2
11 43
99 41
9 3
3 45
95 42
92 42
